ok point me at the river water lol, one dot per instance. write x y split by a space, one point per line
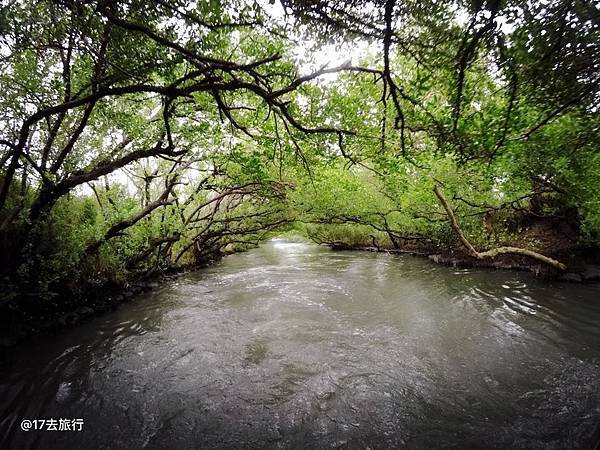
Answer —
295 345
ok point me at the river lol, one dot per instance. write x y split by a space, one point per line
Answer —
295 345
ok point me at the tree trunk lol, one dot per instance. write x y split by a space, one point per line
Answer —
493 252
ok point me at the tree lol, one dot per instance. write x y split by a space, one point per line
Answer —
192 131
90 88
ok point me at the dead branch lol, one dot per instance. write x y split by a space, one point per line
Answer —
493 252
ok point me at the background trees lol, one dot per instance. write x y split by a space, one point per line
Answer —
157 102
142 135
496 101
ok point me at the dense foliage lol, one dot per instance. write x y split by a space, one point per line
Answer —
141 136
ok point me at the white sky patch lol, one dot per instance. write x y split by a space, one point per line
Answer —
505 27
461 16
329 56
4 49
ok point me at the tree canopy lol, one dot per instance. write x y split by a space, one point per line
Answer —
145 135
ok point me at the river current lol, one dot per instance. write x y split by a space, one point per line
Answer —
295 345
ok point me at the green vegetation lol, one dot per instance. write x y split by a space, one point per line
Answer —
139 137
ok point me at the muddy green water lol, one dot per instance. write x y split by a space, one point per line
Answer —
295 345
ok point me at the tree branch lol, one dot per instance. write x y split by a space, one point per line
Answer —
493 252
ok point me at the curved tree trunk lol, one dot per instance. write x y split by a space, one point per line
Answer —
493 252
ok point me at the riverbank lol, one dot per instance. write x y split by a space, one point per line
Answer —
557 239
583 264
24 316
27 316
